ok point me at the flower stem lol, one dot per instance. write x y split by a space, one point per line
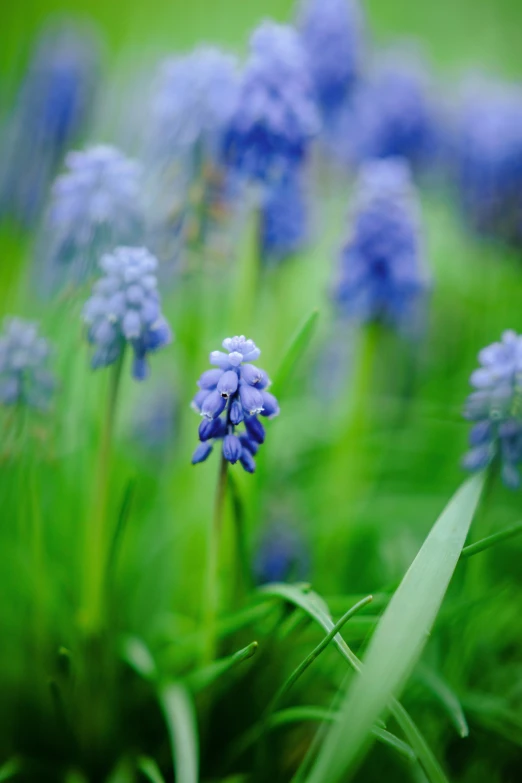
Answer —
211 595
97 539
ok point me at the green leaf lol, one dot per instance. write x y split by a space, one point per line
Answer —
298 346
180 716
137 655
202 678
315 607
150 769
496 538
399 637
10 769
444 694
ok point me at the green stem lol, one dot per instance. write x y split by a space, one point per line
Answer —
39 584
211 595
323 644
496 538
97 538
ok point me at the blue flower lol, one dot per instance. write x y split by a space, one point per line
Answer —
332 34
393 115
235 393
284 216
24 357
281 556
496 408
276 116
194 99
125 308
381 271
52 106
488 158
191 190
95 205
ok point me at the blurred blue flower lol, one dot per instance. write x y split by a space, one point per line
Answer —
190 189
281 556
284 216
234 393
24 356
381 274
276 116
51 108
332 35
488 160
125 308
195 97
496 408
95 205
393 114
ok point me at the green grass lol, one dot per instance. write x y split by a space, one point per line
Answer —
119 704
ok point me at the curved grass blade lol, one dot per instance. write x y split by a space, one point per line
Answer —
399 637
204 677
318 715
323 644
180 716
444 694
496 538
314 606
149 769
297 347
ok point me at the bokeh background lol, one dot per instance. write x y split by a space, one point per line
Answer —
349 535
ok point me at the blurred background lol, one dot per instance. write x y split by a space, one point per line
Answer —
344 504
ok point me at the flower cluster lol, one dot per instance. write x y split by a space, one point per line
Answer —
232 394
489 161
284 217
195 97
52 106
125 308
381 273
332 35
393 114
95 205
24 356
276 116
496 408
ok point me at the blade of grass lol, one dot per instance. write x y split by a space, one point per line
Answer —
399 637
298 346
150 769
314 606
180 716
204 677
496 538
444 694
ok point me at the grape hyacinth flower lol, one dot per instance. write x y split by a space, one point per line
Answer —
393 114
284 217
488 161
52 107
276 116
125 308
95 205
382 276
233 393
332 35
190 189
25 378
195 97
495 407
